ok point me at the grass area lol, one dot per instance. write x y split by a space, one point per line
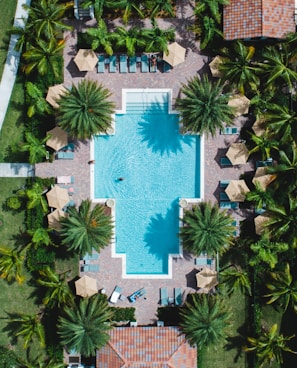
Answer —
230 355
13 127
6 20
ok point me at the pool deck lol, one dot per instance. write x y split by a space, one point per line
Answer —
111 268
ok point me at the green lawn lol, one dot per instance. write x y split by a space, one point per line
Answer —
229 355
6 21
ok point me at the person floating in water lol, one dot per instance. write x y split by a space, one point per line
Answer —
120 179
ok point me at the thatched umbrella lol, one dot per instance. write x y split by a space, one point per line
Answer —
259 125
262 178
260 222
238 153
176 54
236 190
240 104
54 218
214 67
207 279
58 138
86 60
86 286
57 197
54 93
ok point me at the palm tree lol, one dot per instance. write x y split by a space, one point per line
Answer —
282 289
157 39
35 147
209 30
269 347
130 39
98 7
204 320
85 110
235 279
35 195
84 327
128 6
260 197
158 6
86 228
101 37
265 144
37 102
206 229
57 290
204 109
11 265
45 17
211 8
44 56
238 68
25 35
38 362
29 326
39 237
266 252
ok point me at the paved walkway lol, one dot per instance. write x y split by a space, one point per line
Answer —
16 170
12 61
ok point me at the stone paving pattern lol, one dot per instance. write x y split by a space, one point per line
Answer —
183 269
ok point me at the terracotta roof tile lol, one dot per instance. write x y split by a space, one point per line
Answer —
147 347
258 18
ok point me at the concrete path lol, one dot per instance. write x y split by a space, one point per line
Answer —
16 170
12 61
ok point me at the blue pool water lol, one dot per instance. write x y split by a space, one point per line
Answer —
159 166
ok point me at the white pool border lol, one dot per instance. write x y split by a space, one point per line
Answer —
113 208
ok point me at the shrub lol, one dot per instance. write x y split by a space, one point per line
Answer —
123 314
39 258
14 203
8 358
170 315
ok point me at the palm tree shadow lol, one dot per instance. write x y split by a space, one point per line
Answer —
159 136
157 238
11 327
237 342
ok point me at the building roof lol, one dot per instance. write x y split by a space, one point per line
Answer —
258 18
146 347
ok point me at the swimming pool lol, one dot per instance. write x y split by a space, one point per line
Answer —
158 166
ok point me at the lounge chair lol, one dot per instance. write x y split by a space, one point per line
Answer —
201 261
268 162
166 67
136 295
112 64
164 296
69 147
94 256
229 205
229 130
224 183
224 197
224 161
144 64
101 64
123 64
91 268
115 295
132 64
178 296
65 155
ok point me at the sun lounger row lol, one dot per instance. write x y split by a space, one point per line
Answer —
229 131
165 300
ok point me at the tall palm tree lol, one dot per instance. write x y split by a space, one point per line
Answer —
211 8
264 144
206 229
260 197
84 327
36 101
58 293
269 347
86 228
11 265
128 6
130 39
101 37
44 57
85 110
35 147
204 108
28 327
157 39
210 30
157 6
238 68
282 289
235 279
266 252
204 320
45 17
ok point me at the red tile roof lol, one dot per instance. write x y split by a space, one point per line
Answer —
258 18
146 347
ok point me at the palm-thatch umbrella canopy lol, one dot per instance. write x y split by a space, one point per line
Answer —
54 93
58 138
236 190
262 178
260 222
259 125
238 153
240 104
176 54
86 60
57 197
86 286
207 279
54 218
214 67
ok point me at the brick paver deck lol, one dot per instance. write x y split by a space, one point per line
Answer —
111 268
